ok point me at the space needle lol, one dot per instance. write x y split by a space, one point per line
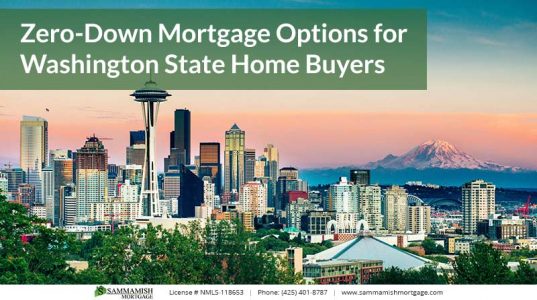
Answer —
150 97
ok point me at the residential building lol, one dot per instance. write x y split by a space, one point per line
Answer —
419 219
253 198
370 205
395 209
478 201
296 210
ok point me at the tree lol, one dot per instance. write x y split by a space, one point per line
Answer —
431 247
394 275
525 274
39 259
483 265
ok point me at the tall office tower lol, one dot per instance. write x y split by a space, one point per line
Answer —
136 150
208 192
343 197
260 166
478 200
150 97
179 140
61 162
249 165
253 198
370 205
272 171
361 177
419 219
395 209
34 151
191 194
92 176
48 192
135 155
234 159
15 177
137 137
209 164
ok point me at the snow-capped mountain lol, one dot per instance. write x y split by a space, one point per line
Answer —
436 154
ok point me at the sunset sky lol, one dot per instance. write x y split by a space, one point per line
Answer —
481 97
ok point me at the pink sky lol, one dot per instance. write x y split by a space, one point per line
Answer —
305 138
489 112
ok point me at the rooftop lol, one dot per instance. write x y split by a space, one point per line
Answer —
371 248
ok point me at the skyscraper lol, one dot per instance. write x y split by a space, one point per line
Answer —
136 150
48 191
15 177
191 193
137 137
92 176
172 183
361 176
272 171
260 167
150 97
395 209
249 165
63 176
34 151
179 140
209 164
478 201
234 159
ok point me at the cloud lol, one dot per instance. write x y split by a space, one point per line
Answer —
436 38
98 113
488 42
311 1
445 14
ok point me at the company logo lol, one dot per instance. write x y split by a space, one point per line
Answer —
125 292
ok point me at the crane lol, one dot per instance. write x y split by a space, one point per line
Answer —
525 210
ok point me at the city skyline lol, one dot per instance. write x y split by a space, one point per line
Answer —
480 83
511 142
